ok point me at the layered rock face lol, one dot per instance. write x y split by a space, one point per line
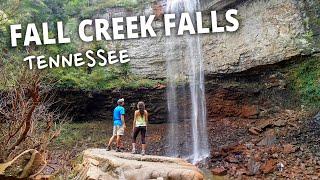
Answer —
99 105
270 32
102 164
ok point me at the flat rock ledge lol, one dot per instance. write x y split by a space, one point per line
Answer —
109 165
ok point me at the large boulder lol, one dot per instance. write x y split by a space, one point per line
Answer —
102 164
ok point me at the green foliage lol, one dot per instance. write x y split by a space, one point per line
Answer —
88 9
70 12
100 78
305 81
92 134
309 36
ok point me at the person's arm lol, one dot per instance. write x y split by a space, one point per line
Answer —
123 122
147 118
122 112
134 119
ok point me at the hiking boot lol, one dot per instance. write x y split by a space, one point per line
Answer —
118 150
143 152
134 151
108 148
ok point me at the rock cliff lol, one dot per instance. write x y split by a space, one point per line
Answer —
270 32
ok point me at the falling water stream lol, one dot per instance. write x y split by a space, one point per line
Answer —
187 135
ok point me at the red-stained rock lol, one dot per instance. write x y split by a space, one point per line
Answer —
275 149
250 112
289 148
280 123
265 124
255 131
269 166
253 167
217 154
231 159
219 171
257 156
293 125
241 171
240 148
223 103
269 140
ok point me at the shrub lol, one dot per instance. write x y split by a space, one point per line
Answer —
305 81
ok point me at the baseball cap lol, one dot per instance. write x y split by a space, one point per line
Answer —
120 100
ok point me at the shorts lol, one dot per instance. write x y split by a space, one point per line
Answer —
118 130
142 130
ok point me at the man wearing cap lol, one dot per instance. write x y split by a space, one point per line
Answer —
118 124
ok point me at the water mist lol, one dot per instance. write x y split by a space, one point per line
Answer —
187 137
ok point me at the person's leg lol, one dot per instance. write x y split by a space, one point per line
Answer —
112 138
118 143
143 140
120 133
134 138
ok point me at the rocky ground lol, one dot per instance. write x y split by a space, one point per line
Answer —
282 144
285 145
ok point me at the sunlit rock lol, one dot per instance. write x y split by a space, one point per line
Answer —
102 164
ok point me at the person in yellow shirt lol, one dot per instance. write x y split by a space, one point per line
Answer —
140 123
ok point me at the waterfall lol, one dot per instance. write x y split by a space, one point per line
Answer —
187 134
